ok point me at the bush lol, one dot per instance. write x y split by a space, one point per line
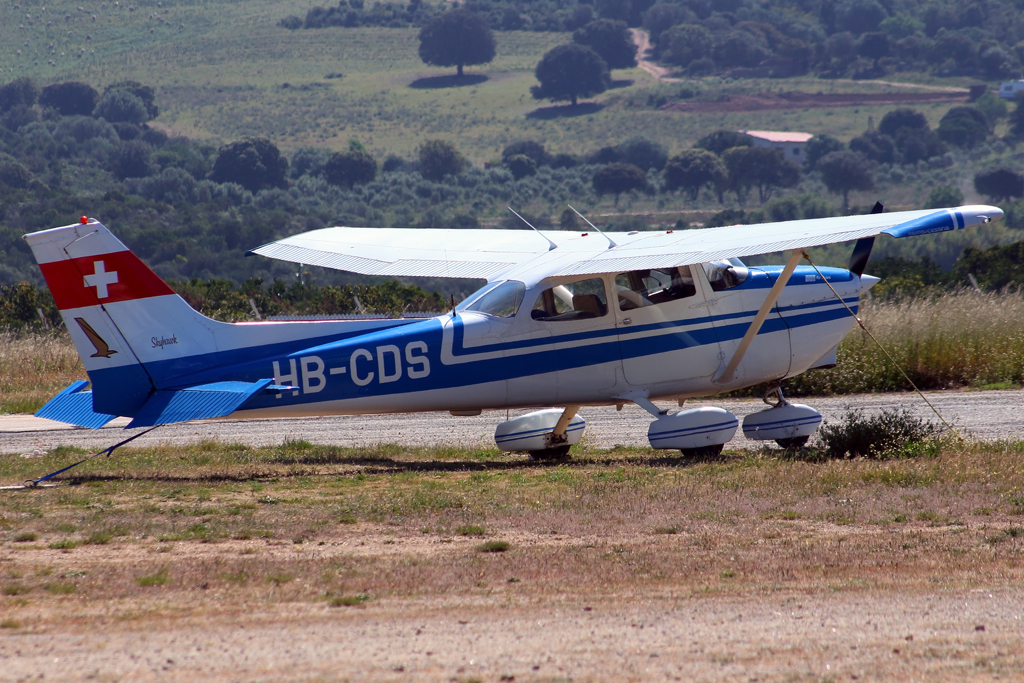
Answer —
347 169
891 433
943 197
71 98
253 163
521 166
439 159
121 106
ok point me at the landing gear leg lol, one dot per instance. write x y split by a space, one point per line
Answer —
773 397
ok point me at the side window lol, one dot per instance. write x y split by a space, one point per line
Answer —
723 275
641 288
502 302
572 301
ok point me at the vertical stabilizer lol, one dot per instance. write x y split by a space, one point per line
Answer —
119 313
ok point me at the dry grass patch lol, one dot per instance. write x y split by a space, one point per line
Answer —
34 367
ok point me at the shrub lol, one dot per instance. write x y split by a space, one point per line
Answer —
886 434
521 166
347 169
493 547
71 98
253 163
121 106
439 159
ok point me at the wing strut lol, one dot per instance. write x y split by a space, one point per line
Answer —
762 314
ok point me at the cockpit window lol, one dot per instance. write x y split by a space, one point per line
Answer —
572 301
723 275
502 301
641 288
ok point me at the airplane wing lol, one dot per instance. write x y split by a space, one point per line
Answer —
409 252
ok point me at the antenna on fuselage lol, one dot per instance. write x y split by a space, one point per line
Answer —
611 242
553 245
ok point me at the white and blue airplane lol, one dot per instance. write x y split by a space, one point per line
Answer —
566 319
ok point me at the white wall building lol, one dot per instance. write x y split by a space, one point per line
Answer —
790 144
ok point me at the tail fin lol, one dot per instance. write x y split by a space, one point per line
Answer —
121 316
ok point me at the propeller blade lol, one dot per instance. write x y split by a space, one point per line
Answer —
862 250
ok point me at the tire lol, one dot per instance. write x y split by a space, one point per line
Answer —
548 454
703 451
793 443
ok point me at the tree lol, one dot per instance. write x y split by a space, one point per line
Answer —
530 148
963 127
693 169
611 40
568 72
121 106
354 167
994 108
618 178
133 159
456 38
901 118
19 92
253 163
943 197
143 92
875 146
721 140
819 146
71 98
685 43
762 167
14 175
663 16
521 166
873 46
642 153
843 172
439 159
614 9
1000 184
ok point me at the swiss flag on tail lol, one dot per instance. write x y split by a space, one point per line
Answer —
85 265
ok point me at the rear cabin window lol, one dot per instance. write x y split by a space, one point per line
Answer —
640 288
572 301
723 275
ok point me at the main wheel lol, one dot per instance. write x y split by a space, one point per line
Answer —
703 451
556 453
793 443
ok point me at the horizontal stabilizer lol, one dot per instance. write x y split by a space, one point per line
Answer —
74 406
200 402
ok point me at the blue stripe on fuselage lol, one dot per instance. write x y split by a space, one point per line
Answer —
254 363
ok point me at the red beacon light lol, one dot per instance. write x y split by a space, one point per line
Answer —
84 220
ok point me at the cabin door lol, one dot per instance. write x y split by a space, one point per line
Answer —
665 334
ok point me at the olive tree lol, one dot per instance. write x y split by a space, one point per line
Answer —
456 38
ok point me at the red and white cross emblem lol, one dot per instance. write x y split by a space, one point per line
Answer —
100 279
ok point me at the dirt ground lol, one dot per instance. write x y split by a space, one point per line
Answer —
906 632
801 100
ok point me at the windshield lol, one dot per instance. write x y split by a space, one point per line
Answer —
501 301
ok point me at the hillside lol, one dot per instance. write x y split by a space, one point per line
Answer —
224 70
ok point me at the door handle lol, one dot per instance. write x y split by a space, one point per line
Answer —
626 321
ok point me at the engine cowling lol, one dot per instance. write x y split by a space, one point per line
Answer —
782 422
693 429
534 431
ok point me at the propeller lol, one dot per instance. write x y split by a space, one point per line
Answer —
862 250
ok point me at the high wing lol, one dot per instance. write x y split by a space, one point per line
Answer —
410 252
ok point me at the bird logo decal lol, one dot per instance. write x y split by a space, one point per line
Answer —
102 349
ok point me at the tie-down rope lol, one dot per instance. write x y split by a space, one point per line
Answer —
879 344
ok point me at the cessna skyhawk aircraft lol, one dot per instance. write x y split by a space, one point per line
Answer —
567 319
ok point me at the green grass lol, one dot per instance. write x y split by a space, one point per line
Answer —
158 578
349 600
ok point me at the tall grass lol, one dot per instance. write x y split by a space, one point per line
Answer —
33 367
958 339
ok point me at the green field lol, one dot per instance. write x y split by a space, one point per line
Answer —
225 70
